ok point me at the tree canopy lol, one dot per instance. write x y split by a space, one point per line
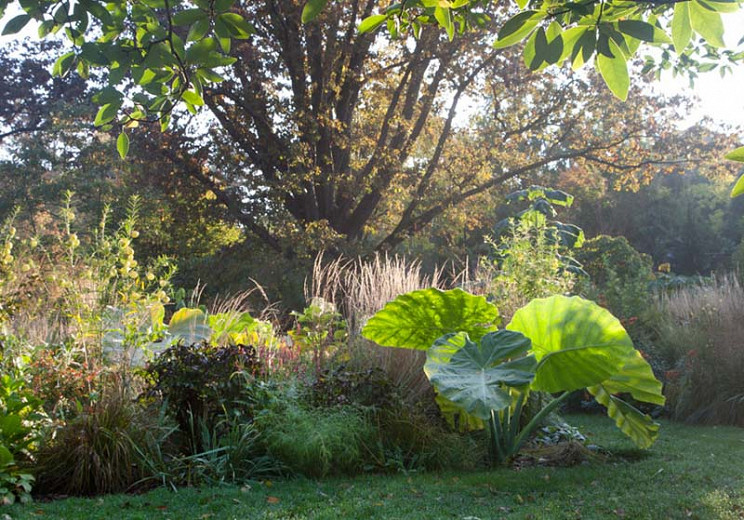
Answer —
172 49
324 128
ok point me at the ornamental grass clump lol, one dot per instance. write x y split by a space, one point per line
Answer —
361 288
700 333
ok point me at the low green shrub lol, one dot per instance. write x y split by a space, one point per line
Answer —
406 438
619 276
20 419
316 441
200 383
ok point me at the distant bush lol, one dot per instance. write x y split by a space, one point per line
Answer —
619 275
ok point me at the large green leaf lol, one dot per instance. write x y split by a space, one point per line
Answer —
706 23
681 27
477 376
312 9
6 457
614 71
737 155
643 31
415 320
636 425
637 379
189 326
576 342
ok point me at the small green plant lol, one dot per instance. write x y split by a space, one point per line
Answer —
316 441
20 421
320 329
554 345
619 276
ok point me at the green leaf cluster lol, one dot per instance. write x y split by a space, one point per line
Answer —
608 32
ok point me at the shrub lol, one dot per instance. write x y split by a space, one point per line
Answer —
406 438
316 441
619 275
699 340
531 254
201 382
20 420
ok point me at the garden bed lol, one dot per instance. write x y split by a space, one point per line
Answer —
691 472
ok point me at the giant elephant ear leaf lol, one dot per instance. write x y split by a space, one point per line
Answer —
416 319
189 326
477 376
632 422
576 342
637 379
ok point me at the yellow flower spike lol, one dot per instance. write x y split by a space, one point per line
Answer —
150 277
134 233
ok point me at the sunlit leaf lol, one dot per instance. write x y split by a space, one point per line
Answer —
681 27
576 342
614 71
122 145
312 9
415 320
706 23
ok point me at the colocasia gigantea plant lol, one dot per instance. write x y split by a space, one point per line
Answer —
483 375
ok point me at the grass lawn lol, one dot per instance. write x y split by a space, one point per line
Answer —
691 472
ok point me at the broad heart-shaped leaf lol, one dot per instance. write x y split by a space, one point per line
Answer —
189 326
416 319
637 379
576 342
636 425
456 417
477 377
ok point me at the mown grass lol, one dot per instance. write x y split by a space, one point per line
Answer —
691 472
